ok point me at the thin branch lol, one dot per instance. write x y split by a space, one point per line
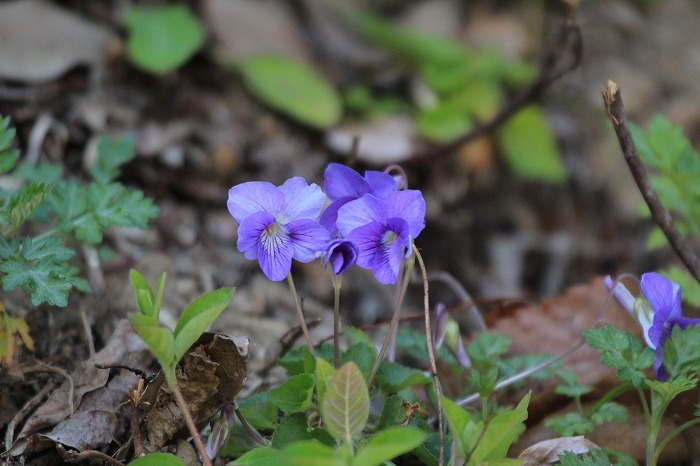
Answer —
550 71
616 112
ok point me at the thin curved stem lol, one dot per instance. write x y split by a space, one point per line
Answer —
394 318
671 436
175 389
300 314
337 284
431 354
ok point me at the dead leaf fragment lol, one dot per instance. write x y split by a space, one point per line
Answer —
548 451
210 375
39 41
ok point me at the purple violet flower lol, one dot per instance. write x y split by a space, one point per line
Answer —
341 254
278 224
383 229
665 297
343 184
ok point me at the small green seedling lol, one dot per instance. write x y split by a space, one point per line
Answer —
170 346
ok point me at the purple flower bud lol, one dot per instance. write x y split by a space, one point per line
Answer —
341 254
440 325
220 432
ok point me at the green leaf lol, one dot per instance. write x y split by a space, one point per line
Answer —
197 317
393 377
595 457
261 457
162 38
112 153
530 147
295 362
159 340
8 156
570 424
464 430
295 394
345 408
312 453
487 348
610 412
158 459
443 123
622 351
23 202
293 428
500 432
144 295
324 373
682 352
259 411
40 268
388 444
393 413
360 355
292 88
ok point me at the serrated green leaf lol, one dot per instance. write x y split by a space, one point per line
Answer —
158 459
294 395
159 340
345 408
197 316
487 348
388 444
530 147
40 268
595 457
23 202
682 352
570 424
112 153
43 172
610 412
162 38
292 88
622 351
393 377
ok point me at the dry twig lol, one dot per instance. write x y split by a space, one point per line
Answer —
616 112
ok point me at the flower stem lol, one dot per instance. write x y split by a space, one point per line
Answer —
248 428
175 389
670 437
337 283
300 313
395 333
409 266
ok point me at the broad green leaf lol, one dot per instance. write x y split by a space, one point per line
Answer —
393 377
157 459
292 88
530 148
387 445
312 453
443 123
144 294
464 430
160 287
161 38
158 339
324 373
23 202
197 317
295 362
295 394
261 457
293 428
345 408
393 413
500 432
112 153
259 411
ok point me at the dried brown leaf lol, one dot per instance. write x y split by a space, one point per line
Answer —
548 451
